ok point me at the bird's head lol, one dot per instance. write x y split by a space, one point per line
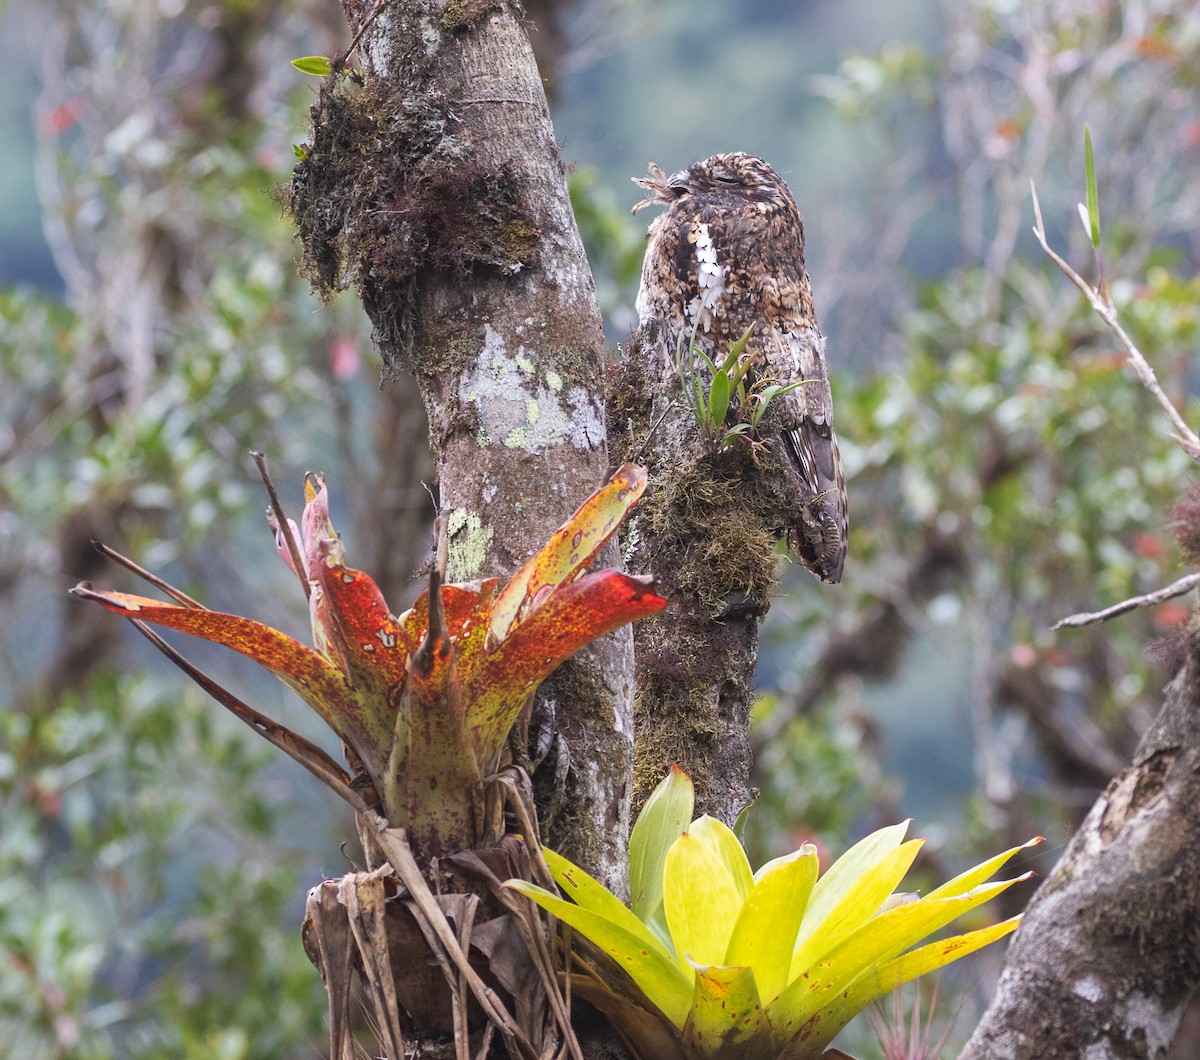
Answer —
736 177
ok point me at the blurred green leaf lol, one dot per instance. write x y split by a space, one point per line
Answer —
1093 198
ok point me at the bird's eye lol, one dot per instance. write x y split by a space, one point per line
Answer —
724 178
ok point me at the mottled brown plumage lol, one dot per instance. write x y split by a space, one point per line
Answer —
730 248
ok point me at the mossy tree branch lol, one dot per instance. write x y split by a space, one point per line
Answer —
708 528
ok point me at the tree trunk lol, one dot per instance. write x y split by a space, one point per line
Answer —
1108 955
437 190
707 528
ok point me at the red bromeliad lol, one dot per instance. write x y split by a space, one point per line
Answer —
424 702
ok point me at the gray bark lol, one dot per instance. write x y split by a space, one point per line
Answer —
437 189
1108 955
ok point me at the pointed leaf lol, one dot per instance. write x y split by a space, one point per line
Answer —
762 398
726 1019
316 65
310 674
664 818
882 979
571 617
739 347
718 400
700 899
860 901
765 933
874 943
570 549
658 976
739 368
844 872
983 871
822 1027
1093 197
592 895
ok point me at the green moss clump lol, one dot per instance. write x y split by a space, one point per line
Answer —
388 190
715 523
455 16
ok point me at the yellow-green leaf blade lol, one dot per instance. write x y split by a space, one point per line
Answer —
842 874
765 933
719 838
700 899
873 944
984 870
316 65
883 978
727 1018
860 899
664 818
657 976
1093 196
718 400
590 894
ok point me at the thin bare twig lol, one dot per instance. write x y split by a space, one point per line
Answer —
281 525
340 63
1101 302
178 595
1178 588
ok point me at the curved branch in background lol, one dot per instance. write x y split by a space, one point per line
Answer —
874 646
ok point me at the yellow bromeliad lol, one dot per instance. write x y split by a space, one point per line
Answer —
728 962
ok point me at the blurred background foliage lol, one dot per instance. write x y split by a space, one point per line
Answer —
1005 469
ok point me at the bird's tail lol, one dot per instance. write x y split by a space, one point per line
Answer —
818 534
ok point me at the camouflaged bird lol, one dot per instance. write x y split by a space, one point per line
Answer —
729 252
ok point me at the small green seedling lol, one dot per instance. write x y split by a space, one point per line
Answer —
316 65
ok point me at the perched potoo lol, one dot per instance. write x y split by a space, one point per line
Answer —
728 253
